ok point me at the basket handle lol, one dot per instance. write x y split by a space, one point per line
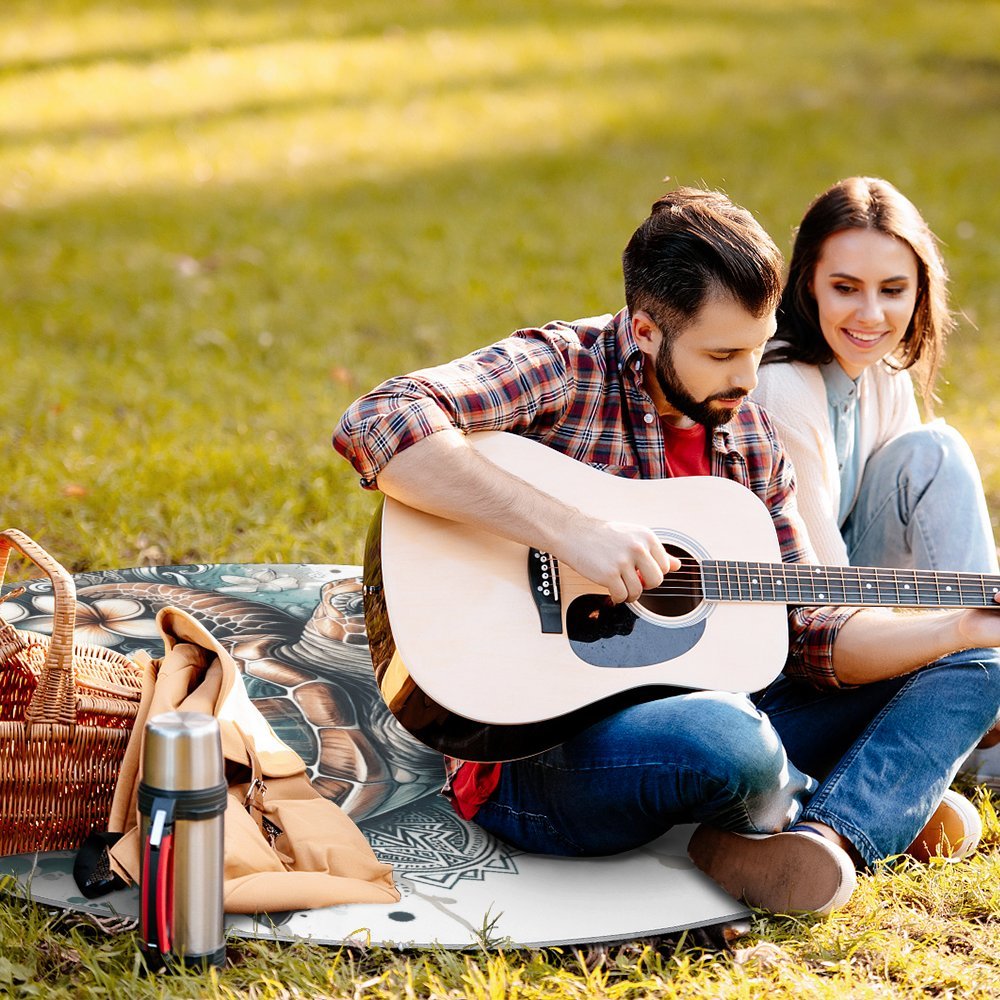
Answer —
54 700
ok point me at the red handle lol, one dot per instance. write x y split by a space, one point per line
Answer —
165 894
156 903
147 891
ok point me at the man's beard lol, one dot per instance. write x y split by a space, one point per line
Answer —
680 399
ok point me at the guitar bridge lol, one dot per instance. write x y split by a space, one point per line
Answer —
543 578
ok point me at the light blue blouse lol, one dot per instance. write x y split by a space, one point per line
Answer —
842 402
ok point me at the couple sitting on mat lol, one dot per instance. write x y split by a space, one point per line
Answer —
846 759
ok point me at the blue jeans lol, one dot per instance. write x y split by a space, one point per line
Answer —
885 753
694 757
921 506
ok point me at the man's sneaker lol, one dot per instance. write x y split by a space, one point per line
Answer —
953 832
789 872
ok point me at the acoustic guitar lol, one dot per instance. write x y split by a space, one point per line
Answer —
489 650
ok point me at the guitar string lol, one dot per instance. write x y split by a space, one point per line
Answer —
688 581
889 576
805 582
809 571
833 599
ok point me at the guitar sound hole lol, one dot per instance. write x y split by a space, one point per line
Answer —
680 593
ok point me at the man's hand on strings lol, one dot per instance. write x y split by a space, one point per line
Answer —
624 558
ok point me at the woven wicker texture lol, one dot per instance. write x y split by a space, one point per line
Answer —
66 711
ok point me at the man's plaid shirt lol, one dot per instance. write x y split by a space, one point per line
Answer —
577 387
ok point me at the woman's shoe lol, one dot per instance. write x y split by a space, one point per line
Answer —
953 832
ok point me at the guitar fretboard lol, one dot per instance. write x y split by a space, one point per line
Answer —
800 583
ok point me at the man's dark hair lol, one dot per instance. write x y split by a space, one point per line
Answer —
694 244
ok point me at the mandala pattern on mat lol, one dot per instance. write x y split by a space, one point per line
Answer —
434 846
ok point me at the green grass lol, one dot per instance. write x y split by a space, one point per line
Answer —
221 221
909 932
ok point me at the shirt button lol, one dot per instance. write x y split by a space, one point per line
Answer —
648 418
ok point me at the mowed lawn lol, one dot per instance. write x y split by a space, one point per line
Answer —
222 221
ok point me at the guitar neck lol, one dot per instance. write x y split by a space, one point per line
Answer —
801 583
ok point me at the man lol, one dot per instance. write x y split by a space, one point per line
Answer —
861 738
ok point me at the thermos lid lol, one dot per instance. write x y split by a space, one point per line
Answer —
182 752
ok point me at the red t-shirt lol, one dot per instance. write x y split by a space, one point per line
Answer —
686 455
686 450
472 786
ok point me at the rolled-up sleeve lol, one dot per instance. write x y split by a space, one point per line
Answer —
812 632
382 423
515 384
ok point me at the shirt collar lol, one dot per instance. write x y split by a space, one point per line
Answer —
722 440
630 357
840 387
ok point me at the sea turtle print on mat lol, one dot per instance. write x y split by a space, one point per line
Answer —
297 633
312 680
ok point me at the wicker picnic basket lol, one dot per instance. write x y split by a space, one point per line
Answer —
66 711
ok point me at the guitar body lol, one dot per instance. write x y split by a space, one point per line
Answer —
472 664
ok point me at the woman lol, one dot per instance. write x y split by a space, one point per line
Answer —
865 304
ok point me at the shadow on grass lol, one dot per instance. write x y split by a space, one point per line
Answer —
250 23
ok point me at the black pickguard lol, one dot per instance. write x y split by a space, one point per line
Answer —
613 635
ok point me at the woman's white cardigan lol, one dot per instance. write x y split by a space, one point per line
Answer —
794 394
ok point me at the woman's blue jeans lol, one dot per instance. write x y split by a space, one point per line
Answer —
921 506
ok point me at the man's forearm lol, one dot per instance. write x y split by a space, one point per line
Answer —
444 475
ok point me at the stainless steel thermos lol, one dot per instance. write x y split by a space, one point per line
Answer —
182 801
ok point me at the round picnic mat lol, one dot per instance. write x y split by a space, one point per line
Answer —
289 626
